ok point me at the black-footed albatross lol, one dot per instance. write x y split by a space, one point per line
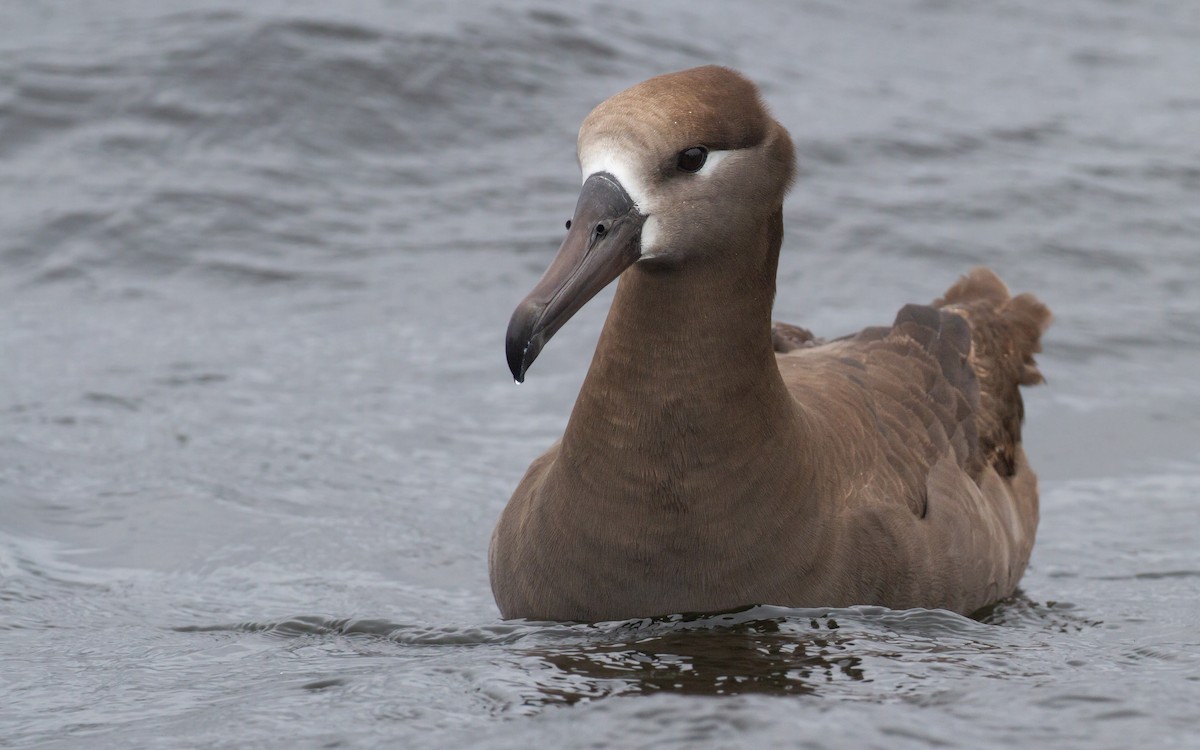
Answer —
714 460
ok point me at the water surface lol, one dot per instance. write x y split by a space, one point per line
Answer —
255 270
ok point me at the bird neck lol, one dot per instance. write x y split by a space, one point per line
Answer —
684 384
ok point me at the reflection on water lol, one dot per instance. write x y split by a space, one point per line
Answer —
782 651
764 656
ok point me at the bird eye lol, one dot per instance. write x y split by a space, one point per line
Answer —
690 160
568 223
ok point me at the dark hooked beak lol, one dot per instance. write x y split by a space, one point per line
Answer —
603 240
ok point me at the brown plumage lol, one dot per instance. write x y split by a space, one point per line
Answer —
713 460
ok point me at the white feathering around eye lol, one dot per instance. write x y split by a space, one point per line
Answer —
619 163
711 163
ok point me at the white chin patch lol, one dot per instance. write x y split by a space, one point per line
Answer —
649 236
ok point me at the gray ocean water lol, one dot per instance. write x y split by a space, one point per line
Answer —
256 264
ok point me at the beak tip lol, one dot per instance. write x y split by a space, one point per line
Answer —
518 371
517 353
525 337
519 362
516 367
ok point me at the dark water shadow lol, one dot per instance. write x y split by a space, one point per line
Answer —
1020 611
728 654
860 653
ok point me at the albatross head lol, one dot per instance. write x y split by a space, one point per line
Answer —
678 171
